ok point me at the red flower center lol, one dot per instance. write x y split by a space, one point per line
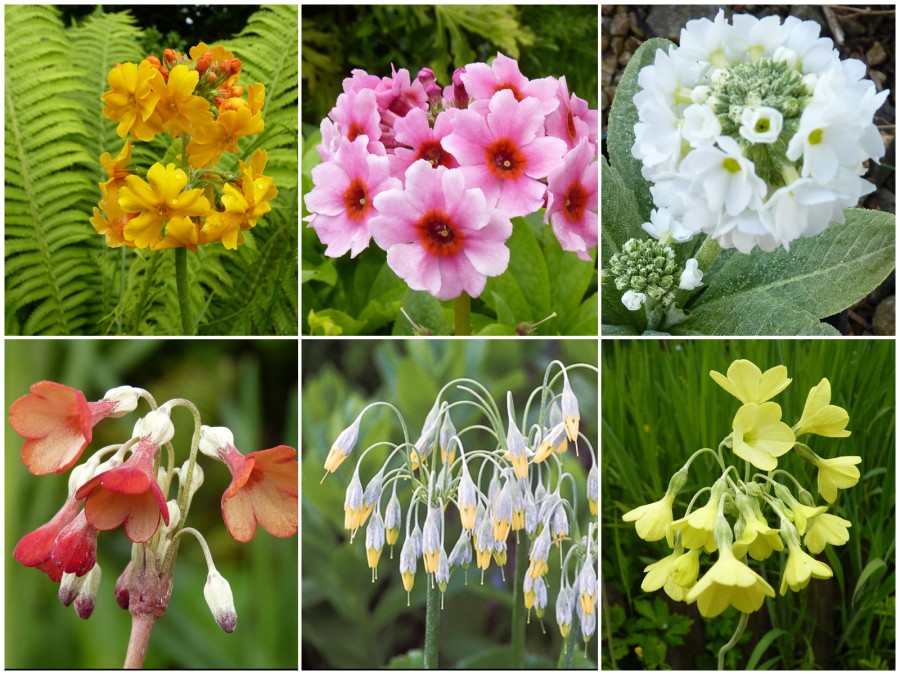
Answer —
570 123
513 88
435 154
576 202
504 159
439 234
356 129
356 200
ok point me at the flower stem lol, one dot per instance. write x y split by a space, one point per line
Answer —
432 623
141 625
517 641
462 315
707 253
742 624
184 293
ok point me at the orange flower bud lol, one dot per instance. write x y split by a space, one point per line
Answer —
154 61
210 76
204 62
237 91
231 65
170 55
232 104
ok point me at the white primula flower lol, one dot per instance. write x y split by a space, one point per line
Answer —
691 277
701 126
666 229
726 177
761 125
633 300
754 132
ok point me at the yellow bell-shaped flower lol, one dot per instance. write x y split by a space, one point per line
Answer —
836 473
820 417
826 529
697 528
749 384
651 520
729 582
800 568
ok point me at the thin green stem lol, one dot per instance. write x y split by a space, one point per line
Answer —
184 291
517 640
462 315
742 624
432 623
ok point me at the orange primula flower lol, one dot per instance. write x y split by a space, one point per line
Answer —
33 550
179 108
211 140
219 53
132 100
157 202
57 424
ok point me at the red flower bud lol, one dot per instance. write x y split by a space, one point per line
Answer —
122 593
170 55
154 61
204 62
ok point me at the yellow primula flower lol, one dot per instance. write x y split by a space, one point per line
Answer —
820 417
826 529
675 573
131 100
760 436
658 572
698 528
157 202
179 108
729 582
219 53
756 538
110 224
749 384
651 520
800 568
837 473
800 513
181 232
212 139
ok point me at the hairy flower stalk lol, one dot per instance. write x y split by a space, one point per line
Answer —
733 522
501 493
129 490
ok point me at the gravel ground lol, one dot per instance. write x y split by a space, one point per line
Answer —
863 32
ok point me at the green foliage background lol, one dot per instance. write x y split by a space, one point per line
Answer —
374 624
61 279
250 387
659 405
363 296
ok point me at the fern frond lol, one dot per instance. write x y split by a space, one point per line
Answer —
48 268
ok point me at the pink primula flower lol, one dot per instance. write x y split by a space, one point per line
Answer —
57 424
128 494
506 153
572 201
441 237
33 550
482 81
341 202
355 115
415 131
572 120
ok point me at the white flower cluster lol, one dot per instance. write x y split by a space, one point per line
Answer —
755 132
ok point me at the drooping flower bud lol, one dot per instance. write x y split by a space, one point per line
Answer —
69 586
156 425
84 601
220 600
122 583
343 446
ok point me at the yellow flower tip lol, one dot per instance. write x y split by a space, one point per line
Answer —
592 505
431 561
518 519
836 473
820 417
651 520
564 629
729 582
373 555
391 535
501 529
409 579
483 558
335 458
467 516
587 603
747 383
520 466
760 436
571 423
500 558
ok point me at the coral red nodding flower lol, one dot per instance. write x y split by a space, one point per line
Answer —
57 424
75 547
33 550
128 494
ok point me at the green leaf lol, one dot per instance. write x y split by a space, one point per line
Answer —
333 322
871 568
762 646
585 320
426 310
786 292
414 659
525 285
622 217
323 272
622 118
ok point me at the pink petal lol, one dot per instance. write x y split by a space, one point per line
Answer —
543 155
423 186
520 197
412 264
518 121
470 211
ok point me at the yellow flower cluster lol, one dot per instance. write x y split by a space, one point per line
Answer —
759 437
195 97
